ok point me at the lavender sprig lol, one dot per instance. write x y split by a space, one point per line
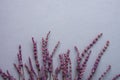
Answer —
20 68
93 70
36 57
31 67
55 48
91 44
103 75
116 77
29 72
83 66
3 75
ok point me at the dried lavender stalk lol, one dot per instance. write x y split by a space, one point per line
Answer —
50 66
76 49
83 66
116 77
50 61
10 77
47 37
47 58
91 44
36 57
20 68
70 65
6 76
57 71
65 66
3 75
45 51
93 70
80 57
29 72
55 48
78 62
62 64
31 67
45 54
107 70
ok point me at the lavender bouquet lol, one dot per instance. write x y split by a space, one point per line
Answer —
46 70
